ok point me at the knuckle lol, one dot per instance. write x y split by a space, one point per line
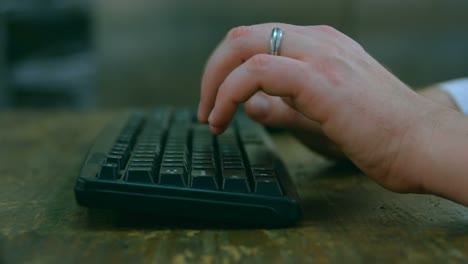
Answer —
329 69
327 28
340 39
238 32
227 93
232 96
259 61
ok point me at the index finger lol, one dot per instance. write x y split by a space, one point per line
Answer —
239 45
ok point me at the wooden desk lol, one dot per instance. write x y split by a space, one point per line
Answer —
348 218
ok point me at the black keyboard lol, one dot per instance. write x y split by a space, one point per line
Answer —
165 162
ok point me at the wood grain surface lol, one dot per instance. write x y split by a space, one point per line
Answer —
348 218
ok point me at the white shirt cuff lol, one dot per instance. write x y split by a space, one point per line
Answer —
458 89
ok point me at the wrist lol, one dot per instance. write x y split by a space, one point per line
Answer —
407 159
439 96
458 91
437 154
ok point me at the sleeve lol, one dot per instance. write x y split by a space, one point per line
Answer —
458 90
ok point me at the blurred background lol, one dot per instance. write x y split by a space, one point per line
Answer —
117 53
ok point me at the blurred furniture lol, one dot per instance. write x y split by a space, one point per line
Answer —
348 217
153 52
49 61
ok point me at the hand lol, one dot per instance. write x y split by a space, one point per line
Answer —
323 83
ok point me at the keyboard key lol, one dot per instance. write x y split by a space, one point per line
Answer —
263 173
204 179
141 160
174 153
147 148
109 171
144 156
202 157
205 165
117 160
120 147
267 186
146 152
140 174
174 160
175 176
203 160
174 165
230 167
141 164
235 181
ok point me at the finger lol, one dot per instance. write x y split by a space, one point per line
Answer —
273 111
275 75
240 45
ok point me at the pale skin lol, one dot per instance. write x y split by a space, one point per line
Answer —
340 101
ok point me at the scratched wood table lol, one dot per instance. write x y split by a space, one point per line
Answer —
348 218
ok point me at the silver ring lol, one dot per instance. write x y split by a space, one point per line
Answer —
275 41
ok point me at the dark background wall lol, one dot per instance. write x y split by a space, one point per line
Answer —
3 96
158 48
147 52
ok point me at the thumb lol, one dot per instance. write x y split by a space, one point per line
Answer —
273 111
